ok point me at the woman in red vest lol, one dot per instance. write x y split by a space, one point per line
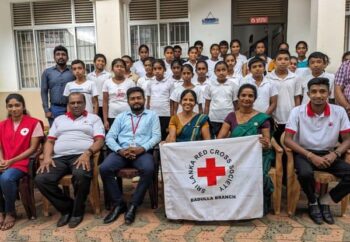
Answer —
20 136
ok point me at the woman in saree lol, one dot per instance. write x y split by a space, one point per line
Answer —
188 125
246 121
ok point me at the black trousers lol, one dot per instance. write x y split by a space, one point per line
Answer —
47 183
305 171
215 128
164 126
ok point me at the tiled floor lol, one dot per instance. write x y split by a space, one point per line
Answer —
151 225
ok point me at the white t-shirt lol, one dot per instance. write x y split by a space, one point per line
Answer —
159 92
235 79
143 82
240 60
99 80
176 82
221 96
176 97
88 88
138 68
202 87
304 82
266 90
288 88
117 101
168 73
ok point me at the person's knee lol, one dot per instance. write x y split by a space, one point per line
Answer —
148 165
80 174
305 174
6 179
41 179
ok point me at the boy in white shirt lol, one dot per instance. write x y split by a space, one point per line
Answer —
260 50
220 97
214 52
88 88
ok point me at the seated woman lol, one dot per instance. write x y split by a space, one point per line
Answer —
188 125
20 137
246 121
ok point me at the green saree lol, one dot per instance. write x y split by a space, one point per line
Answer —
192 130
252 128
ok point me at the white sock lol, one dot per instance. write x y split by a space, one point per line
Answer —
325 199
315 203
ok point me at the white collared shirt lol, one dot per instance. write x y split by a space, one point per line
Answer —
143 82
138 68
221 96
159 93
240 60
176 82
202 87
266 90
211 68
317 132
99 81
288 88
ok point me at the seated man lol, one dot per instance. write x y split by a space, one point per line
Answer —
312 133
72 141
131 137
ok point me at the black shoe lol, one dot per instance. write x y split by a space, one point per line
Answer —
114 213
130 215
64 219
315 214
75 221
326 214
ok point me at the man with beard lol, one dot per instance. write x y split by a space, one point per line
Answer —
53 82
72 141
132 137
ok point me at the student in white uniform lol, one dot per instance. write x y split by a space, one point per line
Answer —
301 49
289 91
202 79
214 52
317 63
266 100
187 75
293 64
88 88
260 51
138 67
220 97
99 76
158 96
235 46
230 60
114 93
143 81
176 68
192 60
168 59
223 49
129 74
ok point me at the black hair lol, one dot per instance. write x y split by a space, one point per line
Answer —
213 45
227 55
174 62
143 46
192 48
100 56
189 67
223 43
220 63
19 98
259 42
75 62
235 41
199 42
302 42
60 48
283 43
160 62
151 59
250 86
282 52
294 57
318 81
131 90
185 92
118 60
344 55
77 93
202 62
167 48
177 47
319 55
129 57
255 59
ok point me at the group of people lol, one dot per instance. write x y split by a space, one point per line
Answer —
144 103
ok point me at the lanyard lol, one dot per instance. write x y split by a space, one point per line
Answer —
134 128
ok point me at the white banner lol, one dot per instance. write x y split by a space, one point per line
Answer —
213 179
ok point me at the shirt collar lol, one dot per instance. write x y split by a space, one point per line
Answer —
145 111
65 69
310 113
102 73
70 115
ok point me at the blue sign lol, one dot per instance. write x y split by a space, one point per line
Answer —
210 19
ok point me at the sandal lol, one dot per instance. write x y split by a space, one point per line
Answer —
8 223
2 219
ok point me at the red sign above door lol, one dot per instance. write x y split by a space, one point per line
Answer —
259 20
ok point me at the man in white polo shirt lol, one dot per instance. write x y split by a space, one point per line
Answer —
72 141
312 133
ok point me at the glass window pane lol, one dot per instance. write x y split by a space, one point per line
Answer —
134 42
179 35
149 36
86 48
47 40
26 59
163 36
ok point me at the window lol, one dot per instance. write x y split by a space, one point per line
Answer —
40 26
158 23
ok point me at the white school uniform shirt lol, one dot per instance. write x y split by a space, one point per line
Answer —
211 68
221 96
288 88
117 100
88 88
176 82
266 90
236 79
159 92
306 79
202 87
143 82
176 96
168 73
138 68
195 76
99 81
240 60
317 132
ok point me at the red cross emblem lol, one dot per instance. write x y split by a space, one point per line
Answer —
211 171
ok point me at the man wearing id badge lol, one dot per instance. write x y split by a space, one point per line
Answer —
132 137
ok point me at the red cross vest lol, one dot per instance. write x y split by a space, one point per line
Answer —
13 143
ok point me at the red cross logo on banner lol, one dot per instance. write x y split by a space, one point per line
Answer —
211 171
